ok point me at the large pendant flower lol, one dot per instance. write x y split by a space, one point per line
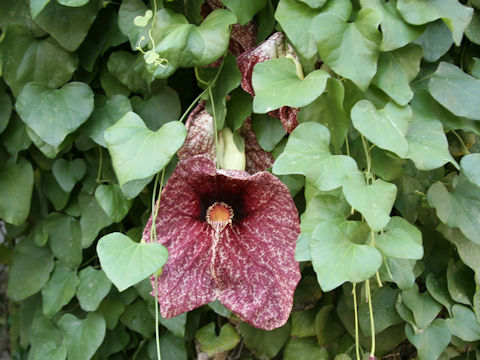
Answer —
231 236
274 47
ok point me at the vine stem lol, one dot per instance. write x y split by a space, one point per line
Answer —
100 164
372 323
369 160
153 235
355 309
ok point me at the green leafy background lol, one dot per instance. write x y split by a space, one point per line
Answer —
383 168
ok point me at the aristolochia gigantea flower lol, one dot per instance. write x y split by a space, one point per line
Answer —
231 236
274 47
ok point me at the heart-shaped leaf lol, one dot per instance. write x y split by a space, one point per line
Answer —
53 114
105 115
400 240
16 186
336 259
396 33
59 290
387 128
68 173
460 282
424 307
112 201
464 324
187 45
93 218
456 90
459 209
245 9
94 286
212 344
265 344
137 152
374 201
307 152
126 262
427 143
82 337
349 48
470 166
455 15
437 287
276 84
431 342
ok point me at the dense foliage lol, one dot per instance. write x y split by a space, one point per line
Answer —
383 166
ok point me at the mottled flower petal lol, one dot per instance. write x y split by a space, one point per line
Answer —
247 264
274 47
200 134
200 141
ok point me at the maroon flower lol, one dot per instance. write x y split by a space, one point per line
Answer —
200 141
231 236
274 47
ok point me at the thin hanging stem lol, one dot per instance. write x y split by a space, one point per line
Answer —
355 309
100 164
372 323
369 160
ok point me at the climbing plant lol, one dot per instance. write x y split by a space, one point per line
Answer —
368 111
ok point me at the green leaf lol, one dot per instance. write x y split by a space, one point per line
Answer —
307 152
93 218
400 240
114 342
464 324
126 262
328 110
229 79
112 201
29 271
111 309
396 70
387 128
327 325
453 13
460 281
437 287
349 48
424 307
336 259
239 107
296 19
59 290
472 32
396 33
164 106
374 201
176 324
458 209
73 3
304 349
265 344
431 342
129 10
384 312
82 337
187 45
46 339
269 131
400 271
53 114
470 167
468 251
137 152
15 137
303 323
16 186
427 144
94 286
68 25
24 57
212 344
245 9
435 41
36 7
105 115
68 173
129 69
5 109
276 84
138 318
64 237
456 90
